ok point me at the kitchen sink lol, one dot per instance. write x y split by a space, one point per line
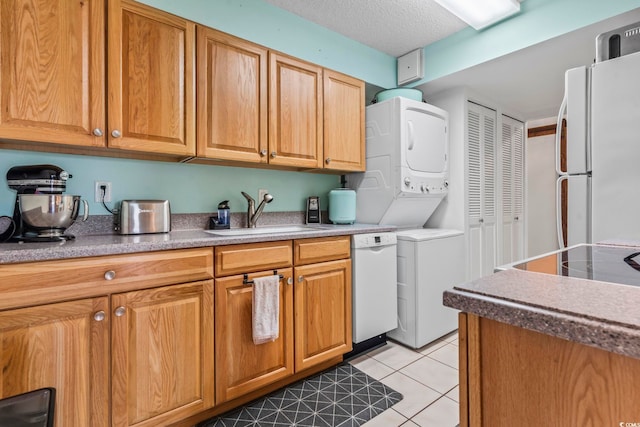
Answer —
261 230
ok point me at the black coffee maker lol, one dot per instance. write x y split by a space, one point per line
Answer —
34 179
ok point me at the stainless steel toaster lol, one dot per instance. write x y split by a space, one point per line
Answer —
144 216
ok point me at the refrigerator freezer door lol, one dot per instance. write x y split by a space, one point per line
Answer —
615 139
577 94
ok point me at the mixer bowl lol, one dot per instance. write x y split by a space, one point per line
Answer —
50 213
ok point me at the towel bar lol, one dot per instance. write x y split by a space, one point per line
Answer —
246 280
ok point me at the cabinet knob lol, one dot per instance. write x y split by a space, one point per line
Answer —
328 160
110 275
300 279
120 311
516 218
97 132
481 220
273 154
98 316
263 153
289 281
116 133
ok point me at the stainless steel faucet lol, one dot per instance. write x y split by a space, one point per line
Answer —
252 213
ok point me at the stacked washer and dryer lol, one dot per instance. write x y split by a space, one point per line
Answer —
405 181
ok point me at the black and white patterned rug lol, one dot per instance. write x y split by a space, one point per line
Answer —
342 396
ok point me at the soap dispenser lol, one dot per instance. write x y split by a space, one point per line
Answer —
223 214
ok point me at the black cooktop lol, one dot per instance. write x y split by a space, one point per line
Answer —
616 264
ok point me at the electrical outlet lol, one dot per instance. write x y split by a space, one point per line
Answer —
98 191
261 193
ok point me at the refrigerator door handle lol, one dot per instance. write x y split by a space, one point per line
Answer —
560 235
561 113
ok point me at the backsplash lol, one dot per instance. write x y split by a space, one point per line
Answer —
190 188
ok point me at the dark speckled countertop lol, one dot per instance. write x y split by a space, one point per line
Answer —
113 244
600 314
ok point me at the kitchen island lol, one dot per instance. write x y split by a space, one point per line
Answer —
539 349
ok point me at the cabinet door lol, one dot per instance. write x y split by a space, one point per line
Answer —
512 180
481 196
52 71
295 112
243 366
344 140
151 80
232 98
323 312
162 354
65 346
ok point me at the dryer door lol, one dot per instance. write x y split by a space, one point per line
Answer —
425 141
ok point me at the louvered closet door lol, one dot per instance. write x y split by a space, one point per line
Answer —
481 196
512 190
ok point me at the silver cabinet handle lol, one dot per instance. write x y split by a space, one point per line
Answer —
116 134
481 220
98 316
273 154
110 275
289 281
517 218
120 311
328 160
300 279
263 153
97 132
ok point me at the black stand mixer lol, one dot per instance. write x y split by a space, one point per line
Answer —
41 185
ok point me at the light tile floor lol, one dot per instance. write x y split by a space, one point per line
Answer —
427 378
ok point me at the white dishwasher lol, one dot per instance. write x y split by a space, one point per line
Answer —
375 290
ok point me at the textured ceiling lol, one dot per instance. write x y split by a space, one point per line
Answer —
391 26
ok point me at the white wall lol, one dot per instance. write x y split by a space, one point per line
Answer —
540 182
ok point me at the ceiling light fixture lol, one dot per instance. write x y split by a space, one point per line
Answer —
481 13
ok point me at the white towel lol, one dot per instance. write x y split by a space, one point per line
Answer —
266 309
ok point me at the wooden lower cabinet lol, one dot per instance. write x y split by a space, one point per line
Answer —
510 376
63 345
241 365
323 312
162 354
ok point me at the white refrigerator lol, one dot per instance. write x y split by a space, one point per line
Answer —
602 105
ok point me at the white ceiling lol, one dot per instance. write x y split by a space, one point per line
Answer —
529 82
391 26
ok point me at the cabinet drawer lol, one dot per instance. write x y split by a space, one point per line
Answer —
309 251
236 259
34 283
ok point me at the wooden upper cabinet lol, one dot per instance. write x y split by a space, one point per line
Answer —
295 112
344 138
232 97
52 57
65 346
151 80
